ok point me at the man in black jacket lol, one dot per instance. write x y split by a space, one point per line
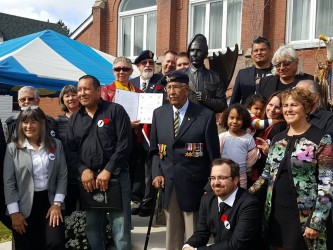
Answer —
248 78
229 213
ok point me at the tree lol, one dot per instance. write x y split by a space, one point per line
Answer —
63 26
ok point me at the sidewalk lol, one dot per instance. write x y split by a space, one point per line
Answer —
156 241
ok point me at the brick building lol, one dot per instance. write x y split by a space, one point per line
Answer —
125 27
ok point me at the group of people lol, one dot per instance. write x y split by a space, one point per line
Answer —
265 182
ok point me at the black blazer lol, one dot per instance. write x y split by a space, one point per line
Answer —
244 218
269 85
245 85
151 85
188 175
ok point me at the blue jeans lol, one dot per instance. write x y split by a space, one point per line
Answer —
120 220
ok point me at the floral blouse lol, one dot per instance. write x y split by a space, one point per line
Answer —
311 167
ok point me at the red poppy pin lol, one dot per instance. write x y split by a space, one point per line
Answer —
106 121
158 87
224 219
51 154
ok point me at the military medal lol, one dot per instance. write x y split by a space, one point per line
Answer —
162 150
189 150
200 149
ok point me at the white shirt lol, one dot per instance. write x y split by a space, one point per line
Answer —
182 112
40 163
142 81
230 201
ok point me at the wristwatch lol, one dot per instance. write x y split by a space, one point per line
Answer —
57 203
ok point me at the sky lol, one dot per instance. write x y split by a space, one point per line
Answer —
71 12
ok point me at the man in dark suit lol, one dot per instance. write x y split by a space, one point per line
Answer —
183 143
229 213
147 79
142 190
248 78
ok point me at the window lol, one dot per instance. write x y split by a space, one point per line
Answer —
219 21
137 30
307 19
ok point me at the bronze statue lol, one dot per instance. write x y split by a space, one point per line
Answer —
206 85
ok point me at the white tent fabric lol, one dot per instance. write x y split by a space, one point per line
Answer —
48 60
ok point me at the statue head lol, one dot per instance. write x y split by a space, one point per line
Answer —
198 50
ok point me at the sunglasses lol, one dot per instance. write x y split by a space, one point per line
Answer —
124 69
285 64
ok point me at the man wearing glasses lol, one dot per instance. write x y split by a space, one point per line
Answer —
142 191
248 78
146 65
228 212
28 96
183 143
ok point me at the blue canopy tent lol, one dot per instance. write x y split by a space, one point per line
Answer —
48 61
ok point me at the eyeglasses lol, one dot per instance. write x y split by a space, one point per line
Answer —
285 64
32 107
124 69
174 87
30 99
218 178
144 63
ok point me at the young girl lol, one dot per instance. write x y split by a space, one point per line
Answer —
256 105
236 143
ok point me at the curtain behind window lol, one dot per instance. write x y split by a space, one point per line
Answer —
324 22
138 34
199 18
126 33
215 24
151 31
233 22
300 20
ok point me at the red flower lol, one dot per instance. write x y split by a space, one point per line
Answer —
224 217
52 150
158 87
106 121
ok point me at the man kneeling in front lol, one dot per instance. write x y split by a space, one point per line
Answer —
228 212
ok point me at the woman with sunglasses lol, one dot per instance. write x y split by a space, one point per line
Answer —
122 70
35 183
287 72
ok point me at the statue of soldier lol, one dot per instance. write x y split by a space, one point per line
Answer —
206 86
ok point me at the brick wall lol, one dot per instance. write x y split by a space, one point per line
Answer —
50 106
172 28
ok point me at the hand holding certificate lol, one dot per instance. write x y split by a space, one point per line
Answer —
139 106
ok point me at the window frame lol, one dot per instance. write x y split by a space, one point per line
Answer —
223 48
303 44
132 14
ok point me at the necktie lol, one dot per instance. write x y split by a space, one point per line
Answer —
223 206
144 87
176 123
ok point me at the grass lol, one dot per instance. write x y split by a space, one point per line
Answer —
5 233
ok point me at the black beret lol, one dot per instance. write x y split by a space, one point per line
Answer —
175 76
146 54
